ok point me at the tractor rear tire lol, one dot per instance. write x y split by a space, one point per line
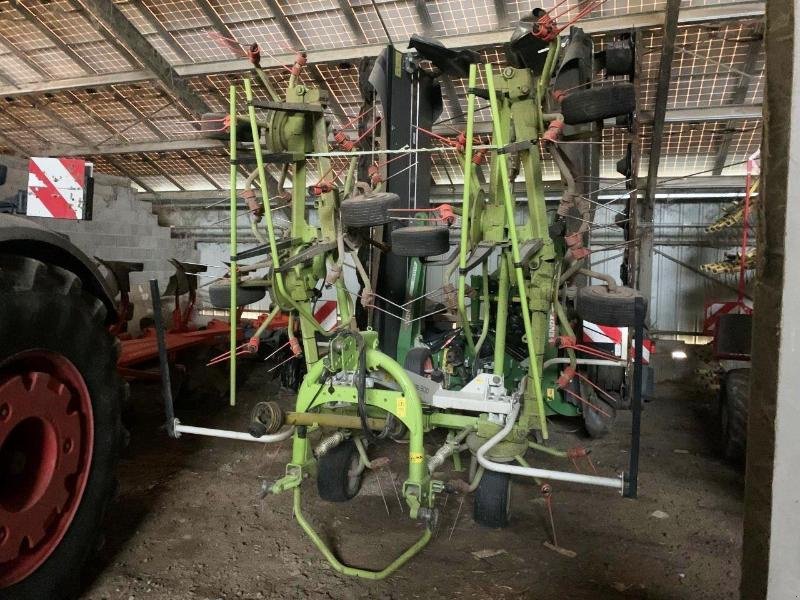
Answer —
368 211
733 398
339 473
598 103
219 295
60 403
492 506
598 304
420 241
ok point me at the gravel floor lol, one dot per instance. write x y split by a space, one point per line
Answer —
188 523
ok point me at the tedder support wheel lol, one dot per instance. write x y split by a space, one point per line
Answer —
733 396
420 240
598 103
369 210
339 473
598 415
598 304
60 431
618 60
219 295
419 360
493 500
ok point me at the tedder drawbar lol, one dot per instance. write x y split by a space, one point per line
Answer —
523 267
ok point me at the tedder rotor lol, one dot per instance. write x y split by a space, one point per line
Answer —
503 353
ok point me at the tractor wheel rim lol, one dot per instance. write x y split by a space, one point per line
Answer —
46 441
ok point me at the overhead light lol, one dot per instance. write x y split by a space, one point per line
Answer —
679 355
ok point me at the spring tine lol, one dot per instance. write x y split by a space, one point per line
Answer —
293 356
380 487
276 351
396 493
455 521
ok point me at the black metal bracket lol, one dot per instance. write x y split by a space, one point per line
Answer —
306 255
479 92
527 250
262 249
517 146
479 254
632 476
442 261
288 106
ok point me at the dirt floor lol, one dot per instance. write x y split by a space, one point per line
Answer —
188 523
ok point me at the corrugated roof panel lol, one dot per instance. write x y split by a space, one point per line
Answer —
401 19
94 133
175 128
103 57
57 135
65 21
451 17
177 15
158 183
368 22
15 69
298 7
202 45
29 115
342 82
23 34
56 63
165 49
136 15
237 11
266 33
326 29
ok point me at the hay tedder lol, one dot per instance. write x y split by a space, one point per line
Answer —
501 352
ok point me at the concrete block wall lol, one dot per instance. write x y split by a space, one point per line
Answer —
122 228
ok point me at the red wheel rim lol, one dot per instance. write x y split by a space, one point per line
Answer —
46 436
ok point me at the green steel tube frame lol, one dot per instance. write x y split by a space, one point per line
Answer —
405 404
510 205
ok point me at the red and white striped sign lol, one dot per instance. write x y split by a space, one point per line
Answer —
57 188
326 315
607 334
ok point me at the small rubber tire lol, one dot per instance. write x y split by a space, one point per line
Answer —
339 474
419 361
597 424
619 60
368 211
46 308
610 379
219 295
492 506
598 103
597 304
733 398
420 241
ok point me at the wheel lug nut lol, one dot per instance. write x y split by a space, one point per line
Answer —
4 412
67 445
